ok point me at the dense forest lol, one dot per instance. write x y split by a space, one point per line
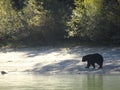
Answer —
49 21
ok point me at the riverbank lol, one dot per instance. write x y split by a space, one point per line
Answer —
58 60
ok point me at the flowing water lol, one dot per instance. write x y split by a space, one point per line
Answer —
59 82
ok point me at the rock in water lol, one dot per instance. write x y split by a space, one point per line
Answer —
3 72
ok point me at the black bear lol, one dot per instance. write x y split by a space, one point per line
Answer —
91 59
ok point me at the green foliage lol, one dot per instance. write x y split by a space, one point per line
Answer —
38 21
18 25
9 21
57 14
18 4
34 21
95 20
111 20
84 17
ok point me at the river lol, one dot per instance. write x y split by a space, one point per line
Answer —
59 82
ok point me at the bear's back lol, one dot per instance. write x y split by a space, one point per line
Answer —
94 57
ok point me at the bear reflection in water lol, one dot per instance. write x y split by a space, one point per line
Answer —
91 59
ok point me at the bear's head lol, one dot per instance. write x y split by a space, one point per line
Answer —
84 59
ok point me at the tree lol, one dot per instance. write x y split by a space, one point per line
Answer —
95 20
9 21
16 25
83 20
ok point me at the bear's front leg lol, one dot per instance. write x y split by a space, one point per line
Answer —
88 65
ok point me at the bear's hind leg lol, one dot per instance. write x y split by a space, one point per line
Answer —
93 64
100 65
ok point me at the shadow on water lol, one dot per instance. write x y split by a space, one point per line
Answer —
61 67
111 58
64 67
41 51
109 53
